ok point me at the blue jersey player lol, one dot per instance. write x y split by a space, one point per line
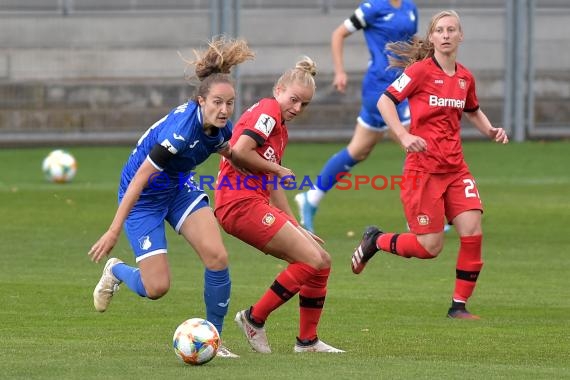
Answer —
156 186
382 22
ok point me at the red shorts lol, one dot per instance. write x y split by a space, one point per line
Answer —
437 197
252 220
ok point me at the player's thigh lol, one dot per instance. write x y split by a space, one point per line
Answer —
468 223
155 275
201 231
363 141
291 245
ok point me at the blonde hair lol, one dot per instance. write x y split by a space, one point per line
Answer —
303 73
214 64
404 53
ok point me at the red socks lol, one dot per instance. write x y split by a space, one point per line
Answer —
311 302
405 245
469 264
310 283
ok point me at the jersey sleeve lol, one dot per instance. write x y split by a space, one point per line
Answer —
262 121
405 85
471 101
170 140
363 16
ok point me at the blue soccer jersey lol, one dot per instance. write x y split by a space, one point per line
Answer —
181 132
381 24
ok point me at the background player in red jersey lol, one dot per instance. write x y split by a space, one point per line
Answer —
255 210
381 22
439 90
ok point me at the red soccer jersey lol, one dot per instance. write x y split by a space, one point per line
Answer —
263 123
437 102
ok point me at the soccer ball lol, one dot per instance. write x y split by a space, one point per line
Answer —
196 341
59 166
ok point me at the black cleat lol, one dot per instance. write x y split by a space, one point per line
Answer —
366 249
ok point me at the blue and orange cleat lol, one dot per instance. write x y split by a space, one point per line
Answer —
458 311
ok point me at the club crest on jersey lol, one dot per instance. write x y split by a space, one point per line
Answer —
423 220
268 219
401 83
265 124
462 84
168 145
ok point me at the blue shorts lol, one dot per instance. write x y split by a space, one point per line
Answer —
145 226
369 116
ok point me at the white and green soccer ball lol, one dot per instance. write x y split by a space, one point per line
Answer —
59 166
196 341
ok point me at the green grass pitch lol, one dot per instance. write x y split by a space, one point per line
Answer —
390 319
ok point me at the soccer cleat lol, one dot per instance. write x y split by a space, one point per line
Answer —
461 314
224 352
366 249
316 345
256 336
106 287
306 211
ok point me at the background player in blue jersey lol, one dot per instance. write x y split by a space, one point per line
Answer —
156 186
382 22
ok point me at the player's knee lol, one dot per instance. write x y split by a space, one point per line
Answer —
320 260
434 249
324 260
362 155
215 260
158 289
432 245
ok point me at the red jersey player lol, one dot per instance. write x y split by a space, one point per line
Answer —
439 91
254 209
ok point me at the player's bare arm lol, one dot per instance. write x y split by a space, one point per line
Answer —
244 155
482 123
105 244
411 143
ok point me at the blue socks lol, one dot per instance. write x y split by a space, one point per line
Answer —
217 288
338 163
131 277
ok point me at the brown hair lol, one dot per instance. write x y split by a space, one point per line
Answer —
214 64
303 72
405 53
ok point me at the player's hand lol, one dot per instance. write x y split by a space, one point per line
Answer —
339 82
285 174
317 238
413 143
103 246
499 135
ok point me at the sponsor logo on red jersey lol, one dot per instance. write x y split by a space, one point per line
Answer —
435 101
